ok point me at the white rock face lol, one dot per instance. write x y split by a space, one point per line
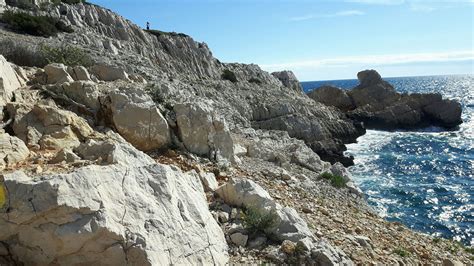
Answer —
9 80
111 215
57 73
109 73
79 73
12 150
204 132
136 117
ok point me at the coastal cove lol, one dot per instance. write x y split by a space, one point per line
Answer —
423 178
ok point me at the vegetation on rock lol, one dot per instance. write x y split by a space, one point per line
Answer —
255 80
34 25
259 221
336 181
229 75
159 33
67 55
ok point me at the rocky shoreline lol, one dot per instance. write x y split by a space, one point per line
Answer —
154 154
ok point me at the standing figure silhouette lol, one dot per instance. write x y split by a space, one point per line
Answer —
148 26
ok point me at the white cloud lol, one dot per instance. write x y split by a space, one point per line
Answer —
421 8
374 60
345 13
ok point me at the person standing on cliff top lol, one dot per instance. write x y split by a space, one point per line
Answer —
147 25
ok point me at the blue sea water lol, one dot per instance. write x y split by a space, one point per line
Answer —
423 178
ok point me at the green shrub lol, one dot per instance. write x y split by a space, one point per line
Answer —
259 221
229 75
66 54
34 25
22 53
336 181
159 33
255 80
23 4
401 252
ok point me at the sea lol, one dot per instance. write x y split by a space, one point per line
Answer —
421 178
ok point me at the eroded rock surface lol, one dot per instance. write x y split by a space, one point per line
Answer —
115 215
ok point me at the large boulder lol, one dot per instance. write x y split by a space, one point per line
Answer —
288 79
135 116
111 215
332 96
12 150
9 81
203 131
109 73
57 73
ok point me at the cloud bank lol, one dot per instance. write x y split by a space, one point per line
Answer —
375 60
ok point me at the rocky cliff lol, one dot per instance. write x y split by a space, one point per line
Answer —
151 155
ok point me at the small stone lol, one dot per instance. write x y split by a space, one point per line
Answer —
257 242
288 247
209 181
306 210
239 239
65 155
449 262
363 241
223 217
235 214
285 176
38 169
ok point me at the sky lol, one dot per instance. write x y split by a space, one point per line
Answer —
322 39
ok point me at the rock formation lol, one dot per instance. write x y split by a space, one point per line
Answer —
76 186
376 103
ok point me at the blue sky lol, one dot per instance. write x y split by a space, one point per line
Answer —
321 40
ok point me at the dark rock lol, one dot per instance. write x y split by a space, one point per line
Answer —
332 96
288 79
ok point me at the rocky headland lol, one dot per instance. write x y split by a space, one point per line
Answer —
153 152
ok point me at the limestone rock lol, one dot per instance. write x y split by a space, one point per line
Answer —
239 239
12 150
111 215
79 73
135 116
65 155
325 254
109 73
48 126
332 96
208 181
57 73
243 192
289 80
9 81
203 132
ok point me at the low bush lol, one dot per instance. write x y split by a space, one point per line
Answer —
34 25
67 55
401 252
336 181
259 221
229 75
22 53
255 80
159 33
23 4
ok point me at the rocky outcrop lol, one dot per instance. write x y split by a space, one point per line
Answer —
377 104
204 132
290 228
109 73
12 150
136 117
111 215
48 127
9 81
332 96
57 73
288 79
